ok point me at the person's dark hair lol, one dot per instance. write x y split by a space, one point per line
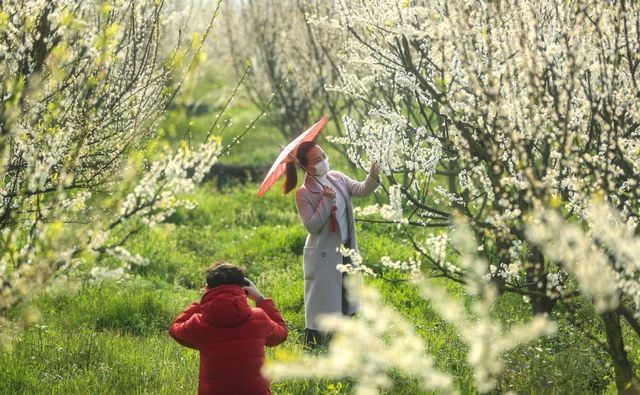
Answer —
222 273
291 179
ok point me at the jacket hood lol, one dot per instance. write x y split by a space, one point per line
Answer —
225 306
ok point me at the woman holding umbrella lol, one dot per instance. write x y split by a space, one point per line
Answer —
324 206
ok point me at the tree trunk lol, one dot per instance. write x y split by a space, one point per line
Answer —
621 364
537 281
542 305
623 311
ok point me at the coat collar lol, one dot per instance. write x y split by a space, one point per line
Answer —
340 186
315 187
312 184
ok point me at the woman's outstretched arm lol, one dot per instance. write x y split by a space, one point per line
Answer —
362 188
365 187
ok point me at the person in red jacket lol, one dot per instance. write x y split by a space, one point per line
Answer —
229 334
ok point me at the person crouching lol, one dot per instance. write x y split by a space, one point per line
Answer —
229 334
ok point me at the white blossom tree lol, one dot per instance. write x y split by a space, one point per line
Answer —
284 49
83 86
498 111
379 339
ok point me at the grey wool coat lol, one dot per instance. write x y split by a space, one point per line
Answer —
322 281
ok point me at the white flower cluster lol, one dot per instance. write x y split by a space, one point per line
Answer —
509 272
412 265
604 258
97 238
391 212
122 254
77 202
387 138
557 281
569 244
101 273
436 244
512 270
450 197
356 265
368 348
153 199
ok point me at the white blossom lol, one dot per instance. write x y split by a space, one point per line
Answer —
391 212
356 265
367 348
101 273
579 256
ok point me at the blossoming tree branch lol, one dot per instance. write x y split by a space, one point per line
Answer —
521 117
84 85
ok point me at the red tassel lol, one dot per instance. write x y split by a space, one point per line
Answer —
334 220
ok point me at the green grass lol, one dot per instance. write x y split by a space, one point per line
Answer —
111 337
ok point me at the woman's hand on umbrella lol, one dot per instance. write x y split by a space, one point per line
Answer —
328 192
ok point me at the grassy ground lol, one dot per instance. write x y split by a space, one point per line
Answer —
112 337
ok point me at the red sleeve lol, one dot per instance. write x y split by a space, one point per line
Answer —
278 331
182 328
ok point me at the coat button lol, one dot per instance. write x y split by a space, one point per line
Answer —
324 254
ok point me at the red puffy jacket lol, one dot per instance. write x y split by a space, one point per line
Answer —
230 336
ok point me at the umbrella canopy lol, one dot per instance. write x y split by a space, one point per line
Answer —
288 155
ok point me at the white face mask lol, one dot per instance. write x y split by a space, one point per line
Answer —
322 168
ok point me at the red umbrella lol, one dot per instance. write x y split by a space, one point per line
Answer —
288 155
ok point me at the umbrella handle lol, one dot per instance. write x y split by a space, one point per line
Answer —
293 158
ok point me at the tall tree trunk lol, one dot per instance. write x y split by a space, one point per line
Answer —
537 281
621 364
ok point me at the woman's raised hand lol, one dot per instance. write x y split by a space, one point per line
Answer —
328 192
374 171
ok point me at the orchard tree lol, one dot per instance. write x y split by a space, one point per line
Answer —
277 39
84 84
380 340
497 112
